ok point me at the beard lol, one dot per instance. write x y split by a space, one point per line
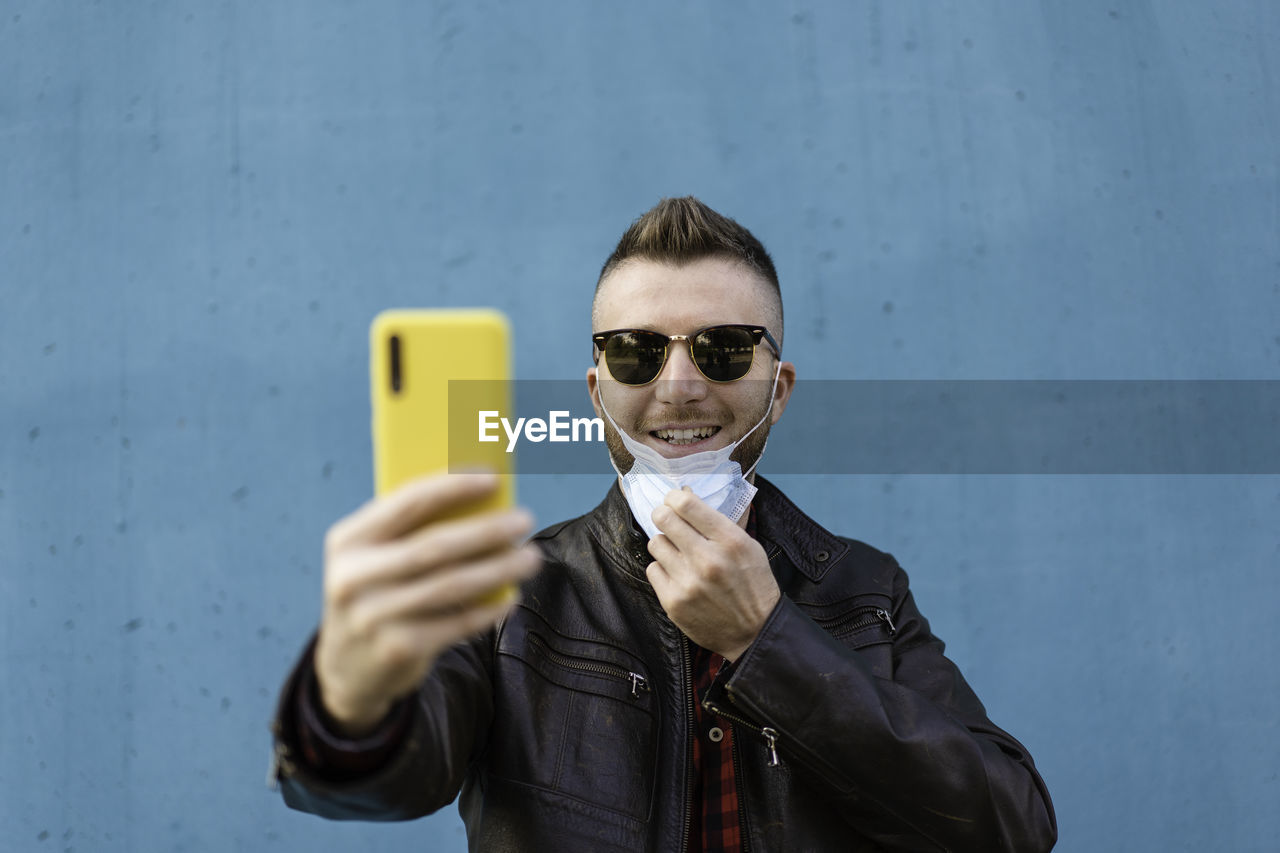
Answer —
746 454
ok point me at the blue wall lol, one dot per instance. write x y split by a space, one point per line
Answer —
202 204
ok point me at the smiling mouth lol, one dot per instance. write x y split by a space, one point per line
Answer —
681 437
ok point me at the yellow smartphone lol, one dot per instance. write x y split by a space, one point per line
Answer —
434 373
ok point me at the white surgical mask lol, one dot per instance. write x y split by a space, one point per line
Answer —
710 474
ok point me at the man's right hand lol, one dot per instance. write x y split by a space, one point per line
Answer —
401 586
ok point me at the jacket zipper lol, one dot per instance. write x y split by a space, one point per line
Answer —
742 790
639 684
769 733
686 689
866 618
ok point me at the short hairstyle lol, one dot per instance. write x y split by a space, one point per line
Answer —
682 230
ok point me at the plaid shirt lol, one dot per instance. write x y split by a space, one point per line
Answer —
716 829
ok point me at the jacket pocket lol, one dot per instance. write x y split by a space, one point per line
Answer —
863 623
581 721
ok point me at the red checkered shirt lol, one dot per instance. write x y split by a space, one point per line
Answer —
716 828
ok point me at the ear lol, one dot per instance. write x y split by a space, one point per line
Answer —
593 390
781 394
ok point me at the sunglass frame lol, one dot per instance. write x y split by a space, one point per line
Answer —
600 340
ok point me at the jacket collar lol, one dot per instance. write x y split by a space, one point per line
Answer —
812 549
809 546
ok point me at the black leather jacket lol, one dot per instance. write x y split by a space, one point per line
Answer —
568 727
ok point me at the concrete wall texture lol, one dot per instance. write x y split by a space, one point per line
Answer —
202 205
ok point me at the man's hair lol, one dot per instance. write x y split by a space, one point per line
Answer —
678 231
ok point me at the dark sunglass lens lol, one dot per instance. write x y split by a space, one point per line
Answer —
635 357
724 354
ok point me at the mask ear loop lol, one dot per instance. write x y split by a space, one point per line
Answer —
772 391
603 408
616 428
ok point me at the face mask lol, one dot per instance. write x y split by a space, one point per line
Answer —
715 478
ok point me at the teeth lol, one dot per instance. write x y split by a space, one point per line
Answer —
686 436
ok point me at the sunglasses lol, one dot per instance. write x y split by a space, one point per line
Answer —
721 353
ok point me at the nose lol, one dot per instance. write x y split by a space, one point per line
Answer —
680 382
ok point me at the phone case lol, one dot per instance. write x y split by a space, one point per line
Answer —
432 371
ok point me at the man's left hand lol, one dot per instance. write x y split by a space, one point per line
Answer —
711 578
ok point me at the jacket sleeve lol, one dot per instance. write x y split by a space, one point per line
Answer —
448 718
911 760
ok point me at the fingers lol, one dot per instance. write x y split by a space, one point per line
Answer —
406 576
437 545
679 533
697 515
455 541
405 640
446 593
691 524
393 515
664 585
697 543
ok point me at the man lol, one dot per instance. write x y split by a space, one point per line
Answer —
693 665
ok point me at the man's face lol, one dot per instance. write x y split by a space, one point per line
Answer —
680 301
